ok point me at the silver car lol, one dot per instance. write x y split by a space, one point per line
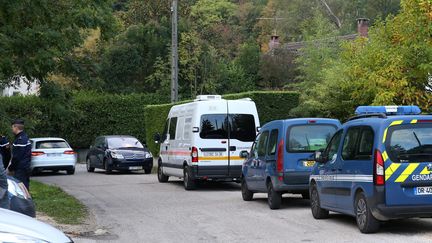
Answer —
52 154
16 227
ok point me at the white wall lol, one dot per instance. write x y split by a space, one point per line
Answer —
20 87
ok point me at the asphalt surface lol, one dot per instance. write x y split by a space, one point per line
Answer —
134 207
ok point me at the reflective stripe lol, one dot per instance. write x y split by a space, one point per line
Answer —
4 145
390 170
414 121
384 155
21 145
385 135
398 122
425 171
220 158
342 177
407 172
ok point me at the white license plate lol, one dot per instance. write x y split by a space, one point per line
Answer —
423 190
213 154
54 155
135 167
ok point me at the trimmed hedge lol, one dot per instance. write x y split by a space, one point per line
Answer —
271 105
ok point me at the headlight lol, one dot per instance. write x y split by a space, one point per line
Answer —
116 155
9 237
148 155
18 189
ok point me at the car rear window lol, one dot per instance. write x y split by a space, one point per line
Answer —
124 142
410 143
309 138
51 144
234 126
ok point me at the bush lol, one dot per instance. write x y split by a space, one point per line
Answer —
271 105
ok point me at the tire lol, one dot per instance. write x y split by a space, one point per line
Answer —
147 171
108 170
305 195
366 222
89 168
317 211
188 182
246 194
274 198
71 171
162 178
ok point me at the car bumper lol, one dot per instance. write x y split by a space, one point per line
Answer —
51 163
220 173
126 165
53 167
24 206
383 212
293 182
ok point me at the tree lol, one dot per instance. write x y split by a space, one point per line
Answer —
36 35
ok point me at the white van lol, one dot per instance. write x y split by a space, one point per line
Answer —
202 140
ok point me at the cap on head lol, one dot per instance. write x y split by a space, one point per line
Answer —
18 122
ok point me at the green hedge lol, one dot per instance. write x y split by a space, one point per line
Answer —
271 105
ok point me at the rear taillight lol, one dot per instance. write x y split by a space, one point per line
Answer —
194 155
279 161
69 152
37 153
379 179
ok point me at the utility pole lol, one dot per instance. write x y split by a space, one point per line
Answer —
174 52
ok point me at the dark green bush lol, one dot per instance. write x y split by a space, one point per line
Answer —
271 105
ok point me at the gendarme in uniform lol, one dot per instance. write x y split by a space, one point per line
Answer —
21 156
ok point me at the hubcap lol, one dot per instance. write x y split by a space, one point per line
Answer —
361 212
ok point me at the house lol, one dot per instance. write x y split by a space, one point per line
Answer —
20 85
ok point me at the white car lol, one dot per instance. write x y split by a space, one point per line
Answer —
52 154
16 227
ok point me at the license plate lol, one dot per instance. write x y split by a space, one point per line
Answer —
135 167
53 155
309 163
213 154
423 190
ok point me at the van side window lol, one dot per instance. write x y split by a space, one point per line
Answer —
187 128
179 128
172 128
333 146
254 151
165 131
272 145
365 149
358 144
350 143
214 126
262 144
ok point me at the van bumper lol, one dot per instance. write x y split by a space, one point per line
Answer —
222 173
383 212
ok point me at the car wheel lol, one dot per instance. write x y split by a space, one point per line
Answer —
147 171
317 211
366 222
188 182
274 198
246 194
89 168
108 169
162 178
71 171
305 195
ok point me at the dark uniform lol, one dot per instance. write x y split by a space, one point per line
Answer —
4 198
21 158
5 151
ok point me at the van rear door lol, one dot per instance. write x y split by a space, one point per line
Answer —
408 162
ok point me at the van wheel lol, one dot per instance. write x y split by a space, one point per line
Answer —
188 182
246 194
274 198
317 211
89 168
366 222
162 178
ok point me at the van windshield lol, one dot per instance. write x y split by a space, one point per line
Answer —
234 126
410 143
309 138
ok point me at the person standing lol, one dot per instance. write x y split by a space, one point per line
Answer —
5 150
21 154
4 197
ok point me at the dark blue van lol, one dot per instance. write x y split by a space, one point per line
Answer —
282 157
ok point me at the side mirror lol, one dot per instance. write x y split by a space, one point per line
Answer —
157 138
319 158
244 154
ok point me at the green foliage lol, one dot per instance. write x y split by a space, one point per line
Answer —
271 105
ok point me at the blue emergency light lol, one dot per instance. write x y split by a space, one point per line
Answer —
388 110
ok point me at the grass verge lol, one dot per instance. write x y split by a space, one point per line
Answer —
57 204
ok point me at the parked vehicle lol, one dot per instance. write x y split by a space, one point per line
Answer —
52 154
202 140
118 152
16 227
19 198
282 157
377 167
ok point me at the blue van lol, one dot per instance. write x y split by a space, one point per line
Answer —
377 167
282 157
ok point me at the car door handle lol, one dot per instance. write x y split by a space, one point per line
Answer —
232 148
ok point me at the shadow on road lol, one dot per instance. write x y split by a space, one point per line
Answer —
98 172
289 201
212 186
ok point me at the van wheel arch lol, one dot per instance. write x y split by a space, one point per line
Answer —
357 192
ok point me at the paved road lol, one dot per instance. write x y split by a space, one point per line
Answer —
136 208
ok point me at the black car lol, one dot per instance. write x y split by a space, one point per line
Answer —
123 153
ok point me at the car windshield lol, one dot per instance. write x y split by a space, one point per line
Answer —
51 144
309 138
124 142
410 143
234 126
